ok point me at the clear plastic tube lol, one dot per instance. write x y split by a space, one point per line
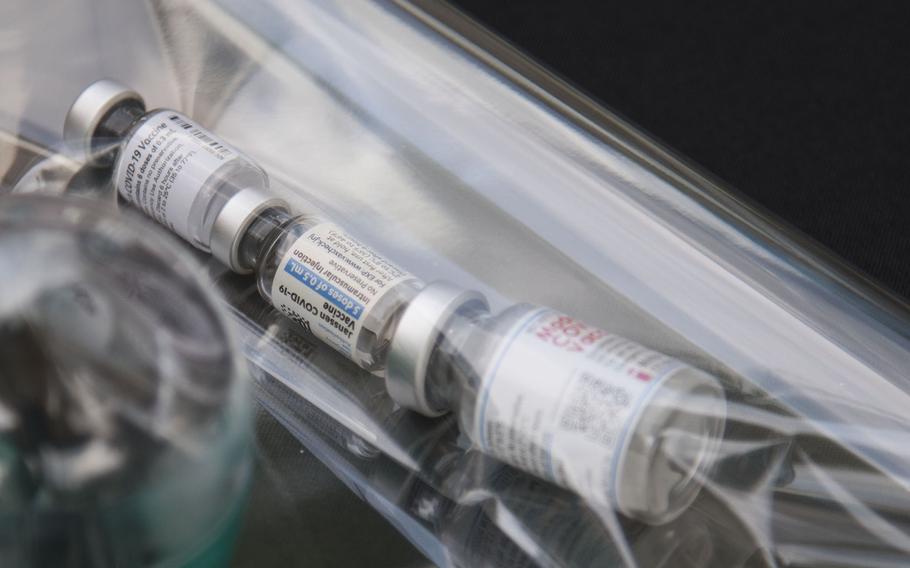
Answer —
621 425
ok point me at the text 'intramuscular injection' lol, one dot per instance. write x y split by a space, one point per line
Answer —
622 425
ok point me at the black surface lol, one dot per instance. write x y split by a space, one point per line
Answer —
804 107
300 514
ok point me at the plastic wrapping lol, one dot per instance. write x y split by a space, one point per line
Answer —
454 159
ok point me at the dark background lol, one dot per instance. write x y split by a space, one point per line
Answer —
804 107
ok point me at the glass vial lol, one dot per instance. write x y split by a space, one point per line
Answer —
165 164
331 283
621 425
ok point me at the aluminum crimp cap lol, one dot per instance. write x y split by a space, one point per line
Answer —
90 107
415 337
235 219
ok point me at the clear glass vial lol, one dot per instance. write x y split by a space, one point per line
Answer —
171 168
206 191
329 282
623 426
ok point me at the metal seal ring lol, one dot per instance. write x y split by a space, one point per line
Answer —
233 221
89 108
415 337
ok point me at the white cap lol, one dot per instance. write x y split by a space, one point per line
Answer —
235 219
90 107
415 337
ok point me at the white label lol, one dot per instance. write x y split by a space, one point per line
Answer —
328 281
165 164
559 399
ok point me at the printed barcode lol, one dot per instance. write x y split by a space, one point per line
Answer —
183 124
216 146
595 409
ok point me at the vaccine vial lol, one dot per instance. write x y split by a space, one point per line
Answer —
209 193
165 164
623 426
331 283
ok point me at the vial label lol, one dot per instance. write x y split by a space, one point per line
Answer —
559 399
164 165
328 281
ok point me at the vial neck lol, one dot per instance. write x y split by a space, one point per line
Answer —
262 231
451 372
115 125
112 129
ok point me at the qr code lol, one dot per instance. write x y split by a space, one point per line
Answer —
595 409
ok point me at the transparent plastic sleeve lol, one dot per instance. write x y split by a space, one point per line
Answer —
519 328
